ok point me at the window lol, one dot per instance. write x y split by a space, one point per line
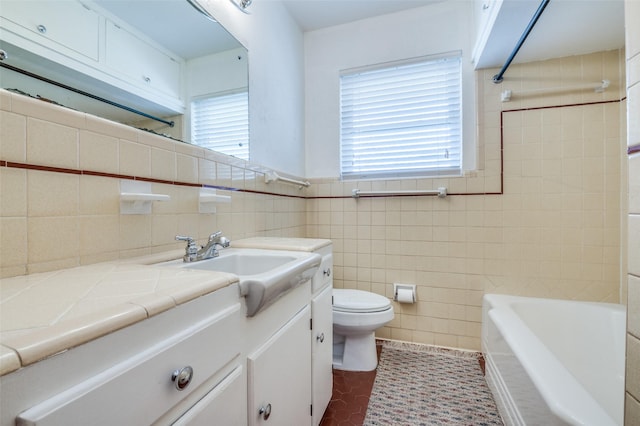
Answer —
221 123
403 119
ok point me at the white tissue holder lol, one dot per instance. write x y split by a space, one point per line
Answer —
402 288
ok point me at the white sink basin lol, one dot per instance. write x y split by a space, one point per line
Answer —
264 275
241 263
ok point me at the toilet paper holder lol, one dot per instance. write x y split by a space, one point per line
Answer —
404 293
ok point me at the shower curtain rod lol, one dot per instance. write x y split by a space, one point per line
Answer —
81 92
498 77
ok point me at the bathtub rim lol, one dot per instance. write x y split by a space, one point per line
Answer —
557 398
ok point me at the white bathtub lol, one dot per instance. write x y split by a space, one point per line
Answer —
555 362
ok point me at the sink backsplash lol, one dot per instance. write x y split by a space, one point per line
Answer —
60 172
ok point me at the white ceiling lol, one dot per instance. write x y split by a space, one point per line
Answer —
315 14
566 27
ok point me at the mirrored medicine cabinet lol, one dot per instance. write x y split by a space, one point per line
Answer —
152 57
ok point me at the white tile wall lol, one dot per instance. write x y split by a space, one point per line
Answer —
555 232
632 400
51 220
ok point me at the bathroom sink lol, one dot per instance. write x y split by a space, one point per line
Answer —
241 263
264 275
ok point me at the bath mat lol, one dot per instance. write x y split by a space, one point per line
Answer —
424 385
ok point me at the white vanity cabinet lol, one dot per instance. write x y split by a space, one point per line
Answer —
299 369
272 368
132 376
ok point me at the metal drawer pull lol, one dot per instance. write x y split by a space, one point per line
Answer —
182 377
327 272
265 411
42 29
320 337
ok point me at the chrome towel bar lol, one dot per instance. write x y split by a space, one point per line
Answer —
274 177
440 192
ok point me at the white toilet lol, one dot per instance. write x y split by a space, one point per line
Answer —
357 315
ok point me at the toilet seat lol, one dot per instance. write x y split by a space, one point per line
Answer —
346 300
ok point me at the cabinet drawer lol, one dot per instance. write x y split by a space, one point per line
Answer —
114 396
47 22
324 274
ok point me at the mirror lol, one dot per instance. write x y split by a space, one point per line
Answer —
154 56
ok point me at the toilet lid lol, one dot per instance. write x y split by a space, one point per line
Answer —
345 300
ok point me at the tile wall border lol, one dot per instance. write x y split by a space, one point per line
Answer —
27 166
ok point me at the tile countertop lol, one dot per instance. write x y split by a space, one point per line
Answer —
45 313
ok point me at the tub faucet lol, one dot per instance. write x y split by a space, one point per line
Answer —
193 253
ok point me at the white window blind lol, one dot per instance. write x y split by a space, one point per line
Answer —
402 120
221 123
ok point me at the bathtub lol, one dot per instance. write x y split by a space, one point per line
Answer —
555 362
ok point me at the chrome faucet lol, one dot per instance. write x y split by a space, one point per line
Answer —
193 253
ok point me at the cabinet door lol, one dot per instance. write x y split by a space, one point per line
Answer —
145 64
322 352
47 22
221 406
279 372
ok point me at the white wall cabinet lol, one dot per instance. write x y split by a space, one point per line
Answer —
147 66
97 46
48 24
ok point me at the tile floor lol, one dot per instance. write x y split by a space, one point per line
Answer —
351 391
350 398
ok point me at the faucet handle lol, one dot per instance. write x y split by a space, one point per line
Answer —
191 249
189 240
215 235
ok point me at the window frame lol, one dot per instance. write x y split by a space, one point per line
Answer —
456 171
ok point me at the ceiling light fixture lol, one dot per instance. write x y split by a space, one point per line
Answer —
242 4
